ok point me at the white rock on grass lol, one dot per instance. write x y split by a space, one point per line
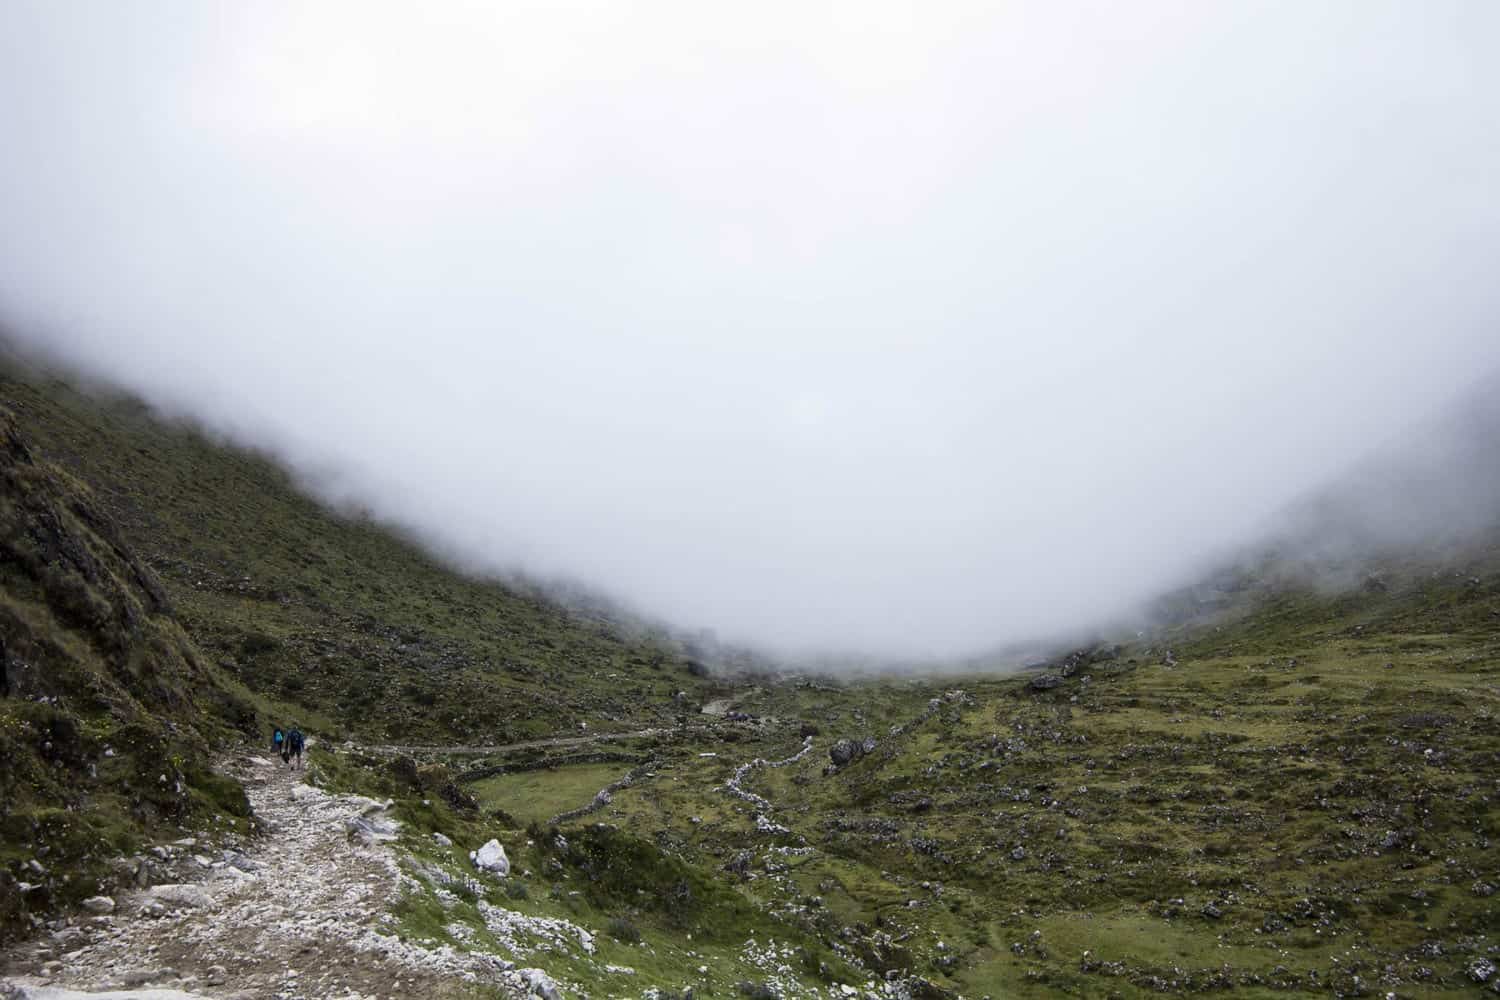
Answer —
441 841
491 858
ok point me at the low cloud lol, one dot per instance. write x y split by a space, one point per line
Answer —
863 327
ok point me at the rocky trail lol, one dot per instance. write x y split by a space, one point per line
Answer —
300 913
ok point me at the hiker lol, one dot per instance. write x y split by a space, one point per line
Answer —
294 746
278 742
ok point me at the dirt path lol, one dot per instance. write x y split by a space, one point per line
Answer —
301 914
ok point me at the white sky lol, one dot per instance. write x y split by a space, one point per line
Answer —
901 328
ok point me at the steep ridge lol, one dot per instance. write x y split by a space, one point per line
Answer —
107 708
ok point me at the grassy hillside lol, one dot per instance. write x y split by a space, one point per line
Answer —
107 708
351 626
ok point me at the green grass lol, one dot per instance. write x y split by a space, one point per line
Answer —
536 796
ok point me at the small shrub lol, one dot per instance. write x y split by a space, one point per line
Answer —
624 931
258 643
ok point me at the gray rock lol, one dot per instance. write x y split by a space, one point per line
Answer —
540 984
842 752
740 863
99 904
1481 970
491 858
370 829
181 896
1212 911
67 937
1045 682
441 841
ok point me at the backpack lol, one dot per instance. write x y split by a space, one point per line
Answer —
278 738
297 740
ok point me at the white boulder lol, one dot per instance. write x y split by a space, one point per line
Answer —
491 858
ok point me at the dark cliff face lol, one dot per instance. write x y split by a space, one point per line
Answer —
107 710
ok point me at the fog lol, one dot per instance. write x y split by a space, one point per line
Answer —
897 329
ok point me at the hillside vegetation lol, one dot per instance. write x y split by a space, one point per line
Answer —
1288 789
107 708
341 619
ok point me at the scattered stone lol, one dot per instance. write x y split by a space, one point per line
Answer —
1046 682
1481 970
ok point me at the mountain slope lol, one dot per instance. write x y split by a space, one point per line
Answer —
1288 787
107 708
339 618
